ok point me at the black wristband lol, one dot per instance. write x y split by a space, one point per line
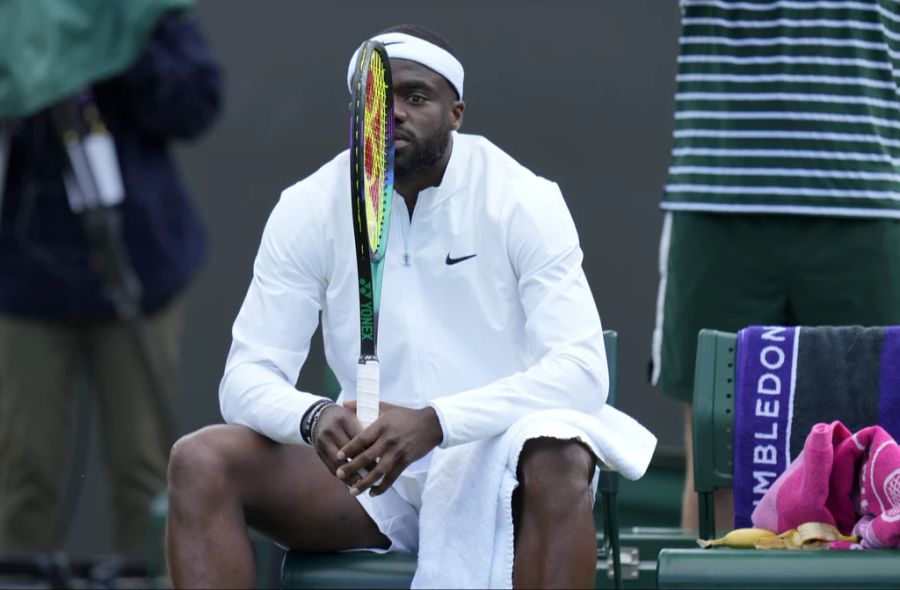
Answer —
306 423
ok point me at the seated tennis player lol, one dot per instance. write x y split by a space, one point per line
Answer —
493 373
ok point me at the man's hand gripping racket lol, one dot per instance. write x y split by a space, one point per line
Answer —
377 456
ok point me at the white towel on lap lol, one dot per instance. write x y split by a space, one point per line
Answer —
466 527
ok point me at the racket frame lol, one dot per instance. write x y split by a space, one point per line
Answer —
369 262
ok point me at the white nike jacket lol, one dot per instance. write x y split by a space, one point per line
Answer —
486 314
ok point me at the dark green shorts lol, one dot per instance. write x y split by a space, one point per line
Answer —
727 271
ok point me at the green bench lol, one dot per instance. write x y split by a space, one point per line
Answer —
752 568
713 425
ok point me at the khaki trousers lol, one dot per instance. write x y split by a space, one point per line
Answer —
40 363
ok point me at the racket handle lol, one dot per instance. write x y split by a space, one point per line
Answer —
368 380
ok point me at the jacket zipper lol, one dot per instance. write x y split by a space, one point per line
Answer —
413 314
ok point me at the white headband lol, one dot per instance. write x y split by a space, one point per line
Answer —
403 46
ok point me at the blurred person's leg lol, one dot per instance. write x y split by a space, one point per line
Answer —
37 366
847 272
719 271
690 508
135 443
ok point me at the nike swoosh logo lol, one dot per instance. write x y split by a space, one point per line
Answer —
451 261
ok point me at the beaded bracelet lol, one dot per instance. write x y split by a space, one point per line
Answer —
306 423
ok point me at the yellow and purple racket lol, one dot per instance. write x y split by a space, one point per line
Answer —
372 189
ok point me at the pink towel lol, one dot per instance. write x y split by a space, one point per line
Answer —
850 481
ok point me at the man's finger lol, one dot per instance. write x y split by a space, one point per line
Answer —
387 481
358 443
352 479
374 477
365 460
328 447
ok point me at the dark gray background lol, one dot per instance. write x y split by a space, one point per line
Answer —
579 91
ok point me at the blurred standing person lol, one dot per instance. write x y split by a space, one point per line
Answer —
782 205
146 76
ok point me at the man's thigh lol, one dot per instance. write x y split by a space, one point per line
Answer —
287 493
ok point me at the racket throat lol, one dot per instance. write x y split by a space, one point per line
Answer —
369 303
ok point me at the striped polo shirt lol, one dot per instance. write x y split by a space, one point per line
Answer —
788 107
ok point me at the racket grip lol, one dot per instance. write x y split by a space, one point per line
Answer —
368 380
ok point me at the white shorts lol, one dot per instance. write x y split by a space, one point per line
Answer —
396 512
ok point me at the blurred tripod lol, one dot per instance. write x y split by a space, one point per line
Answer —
95 190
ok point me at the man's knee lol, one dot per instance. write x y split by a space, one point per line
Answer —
199 462
556 472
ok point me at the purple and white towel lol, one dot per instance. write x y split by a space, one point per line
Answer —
790 378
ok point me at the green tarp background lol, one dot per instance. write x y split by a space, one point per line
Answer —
49 49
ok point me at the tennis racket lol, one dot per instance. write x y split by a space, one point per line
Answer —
372 189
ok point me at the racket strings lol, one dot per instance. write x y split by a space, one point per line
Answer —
377 127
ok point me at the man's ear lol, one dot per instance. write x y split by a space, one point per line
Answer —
456 114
